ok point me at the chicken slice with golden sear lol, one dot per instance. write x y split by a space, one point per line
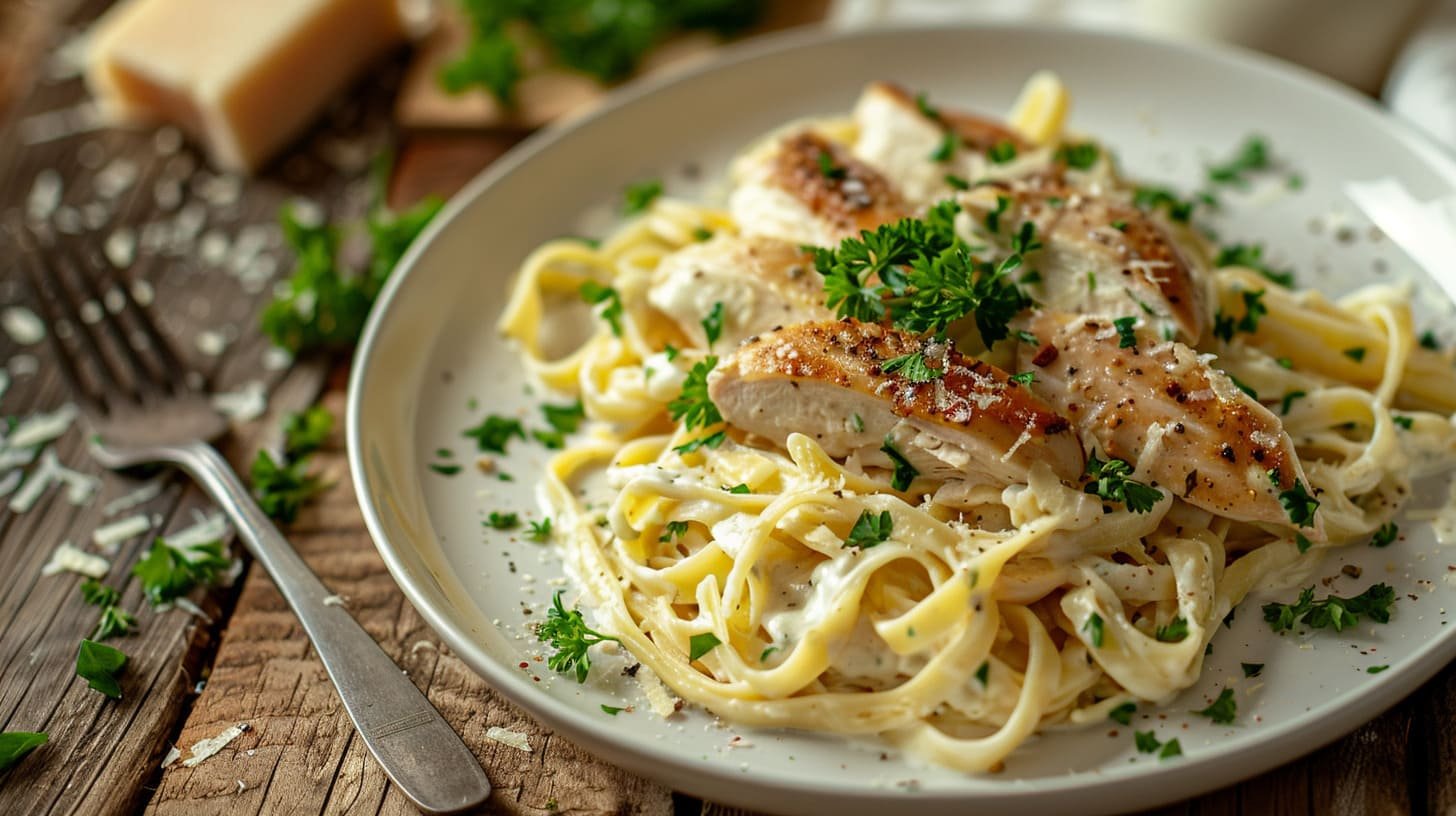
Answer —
806 189
857 388
1102 256
1157 405
762 284
918 145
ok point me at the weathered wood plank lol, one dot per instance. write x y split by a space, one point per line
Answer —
302 755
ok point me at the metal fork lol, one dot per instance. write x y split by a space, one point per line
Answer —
145 409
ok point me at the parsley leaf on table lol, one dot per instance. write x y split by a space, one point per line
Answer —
14 745
283 489
167 573
306 431
99 664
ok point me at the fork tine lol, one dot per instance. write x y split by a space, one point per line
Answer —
180 373
30 262
145 375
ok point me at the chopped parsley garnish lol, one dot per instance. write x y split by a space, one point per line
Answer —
1146 741
993 218
1252 156
502 521
856 423
444 469
539 530
929 111
1428 340
1254 309
612 710
1376 669
1403 421
638 197
1081 155
494 432
1284 362
739 489
1171 749
673 530
1119 225
99 664
701 644
1357 353
946 149
983 674
713 323
1297 501
1223 710
1001 152
1110 482
870 530
1023 378
692 405
1242 386
1288 401
609 301
1223 326
1332 612
1091 281
306 431
904 472
324 304
712 440
956 182
14 745
1301 543
670 352
1028 337
564 418
1152 198
1123 713
928 278
1385 536
167 573
114 620
827 167
569 635
1252 669
1174 632
1251 256
1093 628
763 656
1127 338
912 367
701 234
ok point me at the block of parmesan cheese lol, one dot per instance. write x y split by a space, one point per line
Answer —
244 77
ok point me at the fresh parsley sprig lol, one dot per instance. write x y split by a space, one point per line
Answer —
1332 612
870 530
14 745
1111 481
692 405
571 639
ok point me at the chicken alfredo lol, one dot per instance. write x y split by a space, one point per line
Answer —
942 431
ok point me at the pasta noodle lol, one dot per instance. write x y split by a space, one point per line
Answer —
966 630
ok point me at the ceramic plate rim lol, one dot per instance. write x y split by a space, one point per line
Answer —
1209 769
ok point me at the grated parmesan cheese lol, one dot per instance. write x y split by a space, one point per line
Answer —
202 749
172 756
108 537
70 559
41 428
514 739
148 491
662 703
22 325
244 405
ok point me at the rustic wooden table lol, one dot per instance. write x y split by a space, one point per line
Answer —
245 659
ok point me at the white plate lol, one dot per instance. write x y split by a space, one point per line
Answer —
430 353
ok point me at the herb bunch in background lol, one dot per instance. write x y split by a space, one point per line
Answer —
605 39
326 303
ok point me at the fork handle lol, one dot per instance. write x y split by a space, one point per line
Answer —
411 741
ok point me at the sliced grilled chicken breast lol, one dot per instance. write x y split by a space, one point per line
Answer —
1156 405
1103 257
763 283
828 380
903 142
805 189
